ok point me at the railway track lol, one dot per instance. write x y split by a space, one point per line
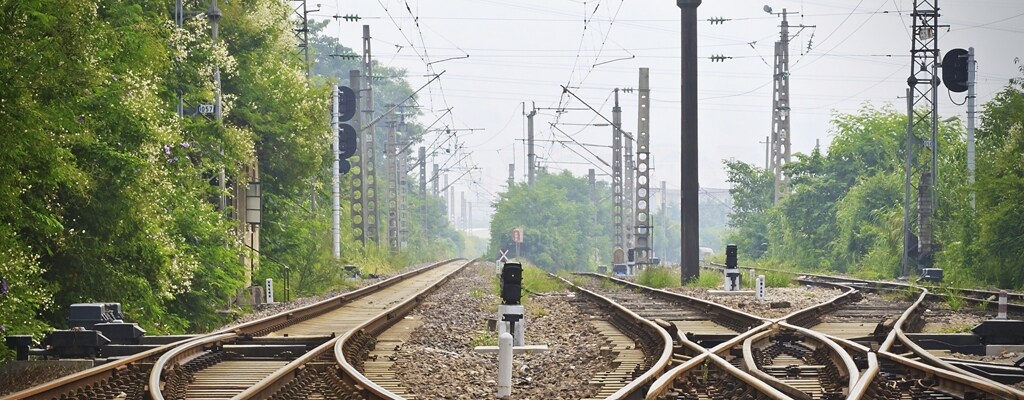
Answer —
288 355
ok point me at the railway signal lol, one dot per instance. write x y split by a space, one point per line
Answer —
347 135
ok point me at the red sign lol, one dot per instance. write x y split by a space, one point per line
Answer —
517 235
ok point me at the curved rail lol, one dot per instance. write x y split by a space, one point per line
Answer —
664 358
135 368
737 320
177 356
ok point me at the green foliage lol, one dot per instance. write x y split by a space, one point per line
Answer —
108 195
562 228
844 209
658 277
706 280
484 338
994 244
537 280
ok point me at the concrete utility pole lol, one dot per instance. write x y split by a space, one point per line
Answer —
618 229
511 175
394 241
423 186
781 110
531 156
360 170
215 15
643 222
592 180
767 151
922 113
335 179
690 241
464 222
368 143
435 180
971 71
664 220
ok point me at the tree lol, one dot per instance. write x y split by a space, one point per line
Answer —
558 217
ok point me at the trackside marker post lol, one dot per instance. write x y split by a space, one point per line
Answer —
1002 305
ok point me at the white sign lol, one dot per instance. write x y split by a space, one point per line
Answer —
270 290
206 109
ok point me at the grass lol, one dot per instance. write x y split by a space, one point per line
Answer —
953 299
778 279
658 277
710 281
537 280
484 338
956 329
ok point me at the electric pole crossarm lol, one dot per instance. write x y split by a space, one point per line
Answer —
626 134
395 107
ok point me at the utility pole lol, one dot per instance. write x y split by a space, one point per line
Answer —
664 220
690 241
179 20
971 71
530 155
360 169
643 222
402 180
369 148
423 187
335 179
922 115
780 110
435 180
767 151
592 181
511 175
464 224
394 241
215 15
618 230
628 190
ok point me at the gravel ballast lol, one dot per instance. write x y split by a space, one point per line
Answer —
439 361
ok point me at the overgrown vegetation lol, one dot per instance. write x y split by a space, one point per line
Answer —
844 212
658 277
706 280
107 194
536 280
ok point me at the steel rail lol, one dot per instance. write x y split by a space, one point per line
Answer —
371 390
93 376
928 358
736 317
665 382
178 356
271 384
664 358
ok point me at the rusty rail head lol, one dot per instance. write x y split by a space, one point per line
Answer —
953 381
372 390
56 388
666 381
70 383
281 378
178 355
261 326
664 358
741 317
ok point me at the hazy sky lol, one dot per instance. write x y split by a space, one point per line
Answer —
521 51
